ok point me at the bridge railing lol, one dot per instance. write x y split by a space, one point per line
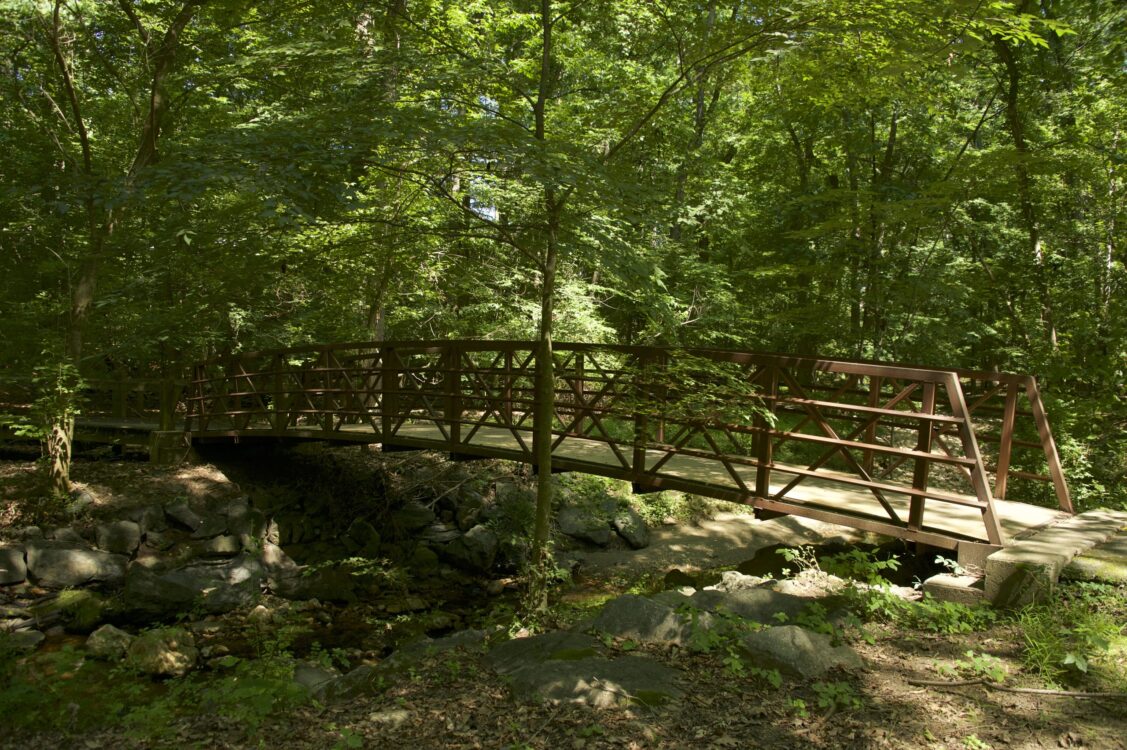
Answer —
893 442
154 403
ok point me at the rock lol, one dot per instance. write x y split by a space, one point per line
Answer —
581 524
392 718
29 533
80 500
509 656
275 559
260 615
184 516
232 508
151 519
13 566
468 512
440 533
331 584
216 587
475 550
364 680
733 580
423 560
414 652
362 538
798 652
631 527
646 620
252 523
226 545
811 584
108 642
159 540
164 652
61 565
68 535
152 593
25 640
311 677
563 666
675 598
601 683
412 516
80 609
758 605
119 537
211 526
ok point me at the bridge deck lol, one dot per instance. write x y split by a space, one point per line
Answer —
821 498
896 450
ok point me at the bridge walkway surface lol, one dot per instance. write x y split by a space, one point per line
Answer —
923 454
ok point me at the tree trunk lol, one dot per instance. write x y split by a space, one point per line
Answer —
1029 212
544 393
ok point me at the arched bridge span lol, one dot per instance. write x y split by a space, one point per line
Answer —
927 455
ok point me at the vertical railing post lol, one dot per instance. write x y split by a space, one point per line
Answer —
1005 447
642 399
765 448
923 465
389 376
195 400
875 384
281 417
453 392
507 390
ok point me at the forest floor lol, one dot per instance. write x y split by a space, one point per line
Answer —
452 701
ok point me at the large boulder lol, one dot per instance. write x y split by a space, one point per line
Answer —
631 527
164 652
13 566
64 564
755 604
564 666
108 642
181 514
642 619
362 539
413 516
583 524
798 652
475 550
119 537
216 587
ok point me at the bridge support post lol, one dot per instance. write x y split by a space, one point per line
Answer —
389 377
764 447
923 445
453 388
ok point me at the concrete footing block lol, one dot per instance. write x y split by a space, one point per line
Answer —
1028 571
960 589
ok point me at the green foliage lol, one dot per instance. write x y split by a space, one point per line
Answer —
1069 638
859 565
836 696
974 666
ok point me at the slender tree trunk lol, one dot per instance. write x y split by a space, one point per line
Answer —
544 391
1029 213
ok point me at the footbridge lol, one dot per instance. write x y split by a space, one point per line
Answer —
923 454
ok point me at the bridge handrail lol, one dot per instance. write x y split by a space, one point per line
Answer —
374 390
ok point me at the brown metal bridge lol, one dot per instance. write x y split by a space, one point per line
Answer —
927 455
